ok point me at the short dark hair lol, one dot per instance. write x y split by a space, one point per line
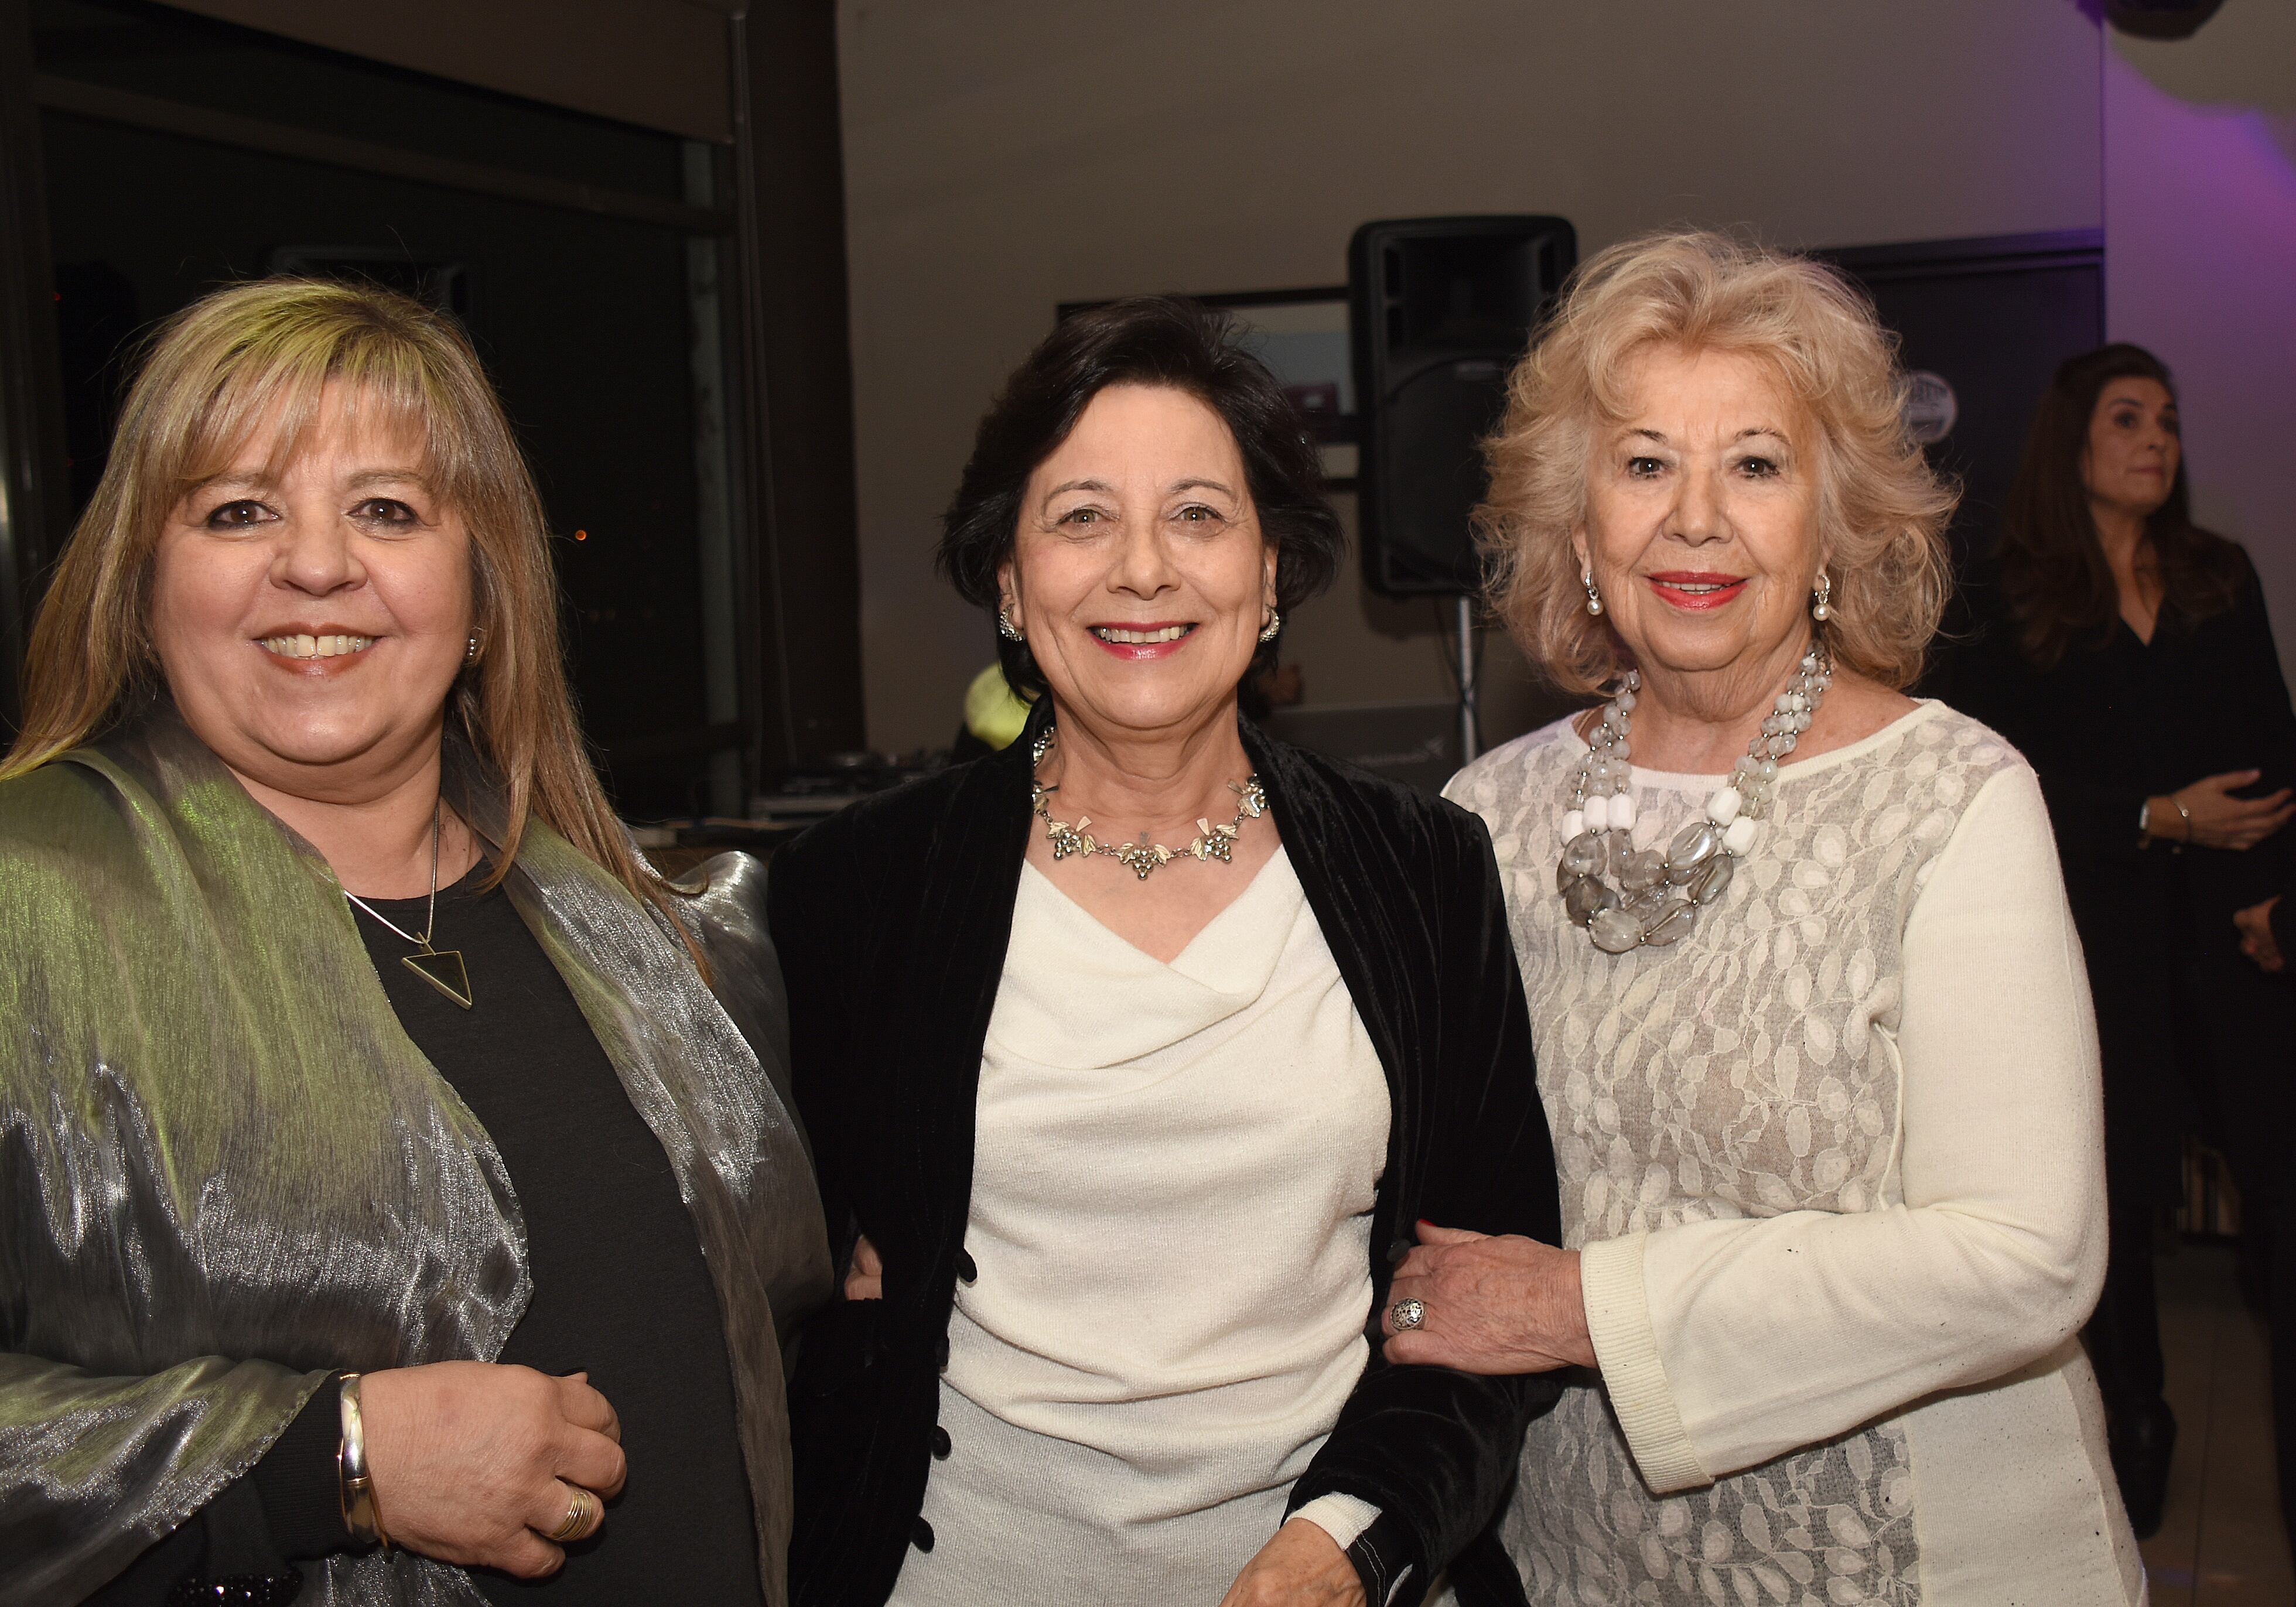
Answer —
2059 587
1164 341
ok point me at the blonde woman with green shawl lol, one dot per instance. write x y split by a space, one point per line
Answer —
397 1203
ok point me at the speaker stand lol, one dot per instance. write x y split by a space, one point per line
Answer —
1470 708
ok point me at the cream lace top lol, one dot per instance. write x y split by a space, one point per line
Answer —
1834 1164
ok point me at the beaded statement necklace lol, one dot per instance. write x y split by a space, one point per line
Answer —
1143 859
1628 898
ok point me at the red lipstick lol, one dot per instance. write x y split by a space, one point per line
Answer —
1695 591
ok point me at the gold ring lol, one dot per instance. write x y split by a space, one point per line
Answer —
583 1515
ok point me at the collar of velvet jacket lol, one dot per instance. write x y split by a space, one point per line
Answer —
282 1175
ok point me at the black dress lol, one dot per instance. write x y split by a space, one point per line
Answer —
2187 1026
891 919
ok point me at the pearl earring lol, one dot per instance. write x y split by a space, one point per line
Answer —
1821 607
1006 629
1594 598
471 648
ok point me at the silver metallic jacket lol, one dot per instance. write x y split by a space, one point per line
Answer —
225 1171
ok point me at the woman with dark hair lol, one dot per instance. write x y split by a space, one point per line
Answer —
1131 1054
2127 653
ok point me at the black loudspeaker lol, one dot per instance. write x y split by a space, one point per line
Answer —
1439 308
2160 18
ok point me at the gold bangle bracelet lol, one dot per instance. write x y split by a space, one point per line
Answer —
361 1515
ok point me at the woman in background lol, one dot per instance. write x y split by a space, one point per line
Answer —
2128 654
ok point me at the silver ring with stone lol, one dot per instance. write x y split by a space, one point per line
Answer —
1407 1315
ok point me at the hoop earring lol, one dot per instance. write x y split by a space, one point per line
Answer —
1821 607
1006 629
1275 623
1594 598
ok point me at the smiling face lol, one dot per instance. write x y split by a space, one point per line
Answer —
311 621
2134 446
1701 513
1139 574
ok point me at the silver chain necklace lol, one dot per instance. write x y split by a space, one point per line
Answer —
442 969
1143 858
1628 898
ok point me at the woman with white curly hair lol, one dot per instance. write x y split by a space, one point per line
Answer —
1815 1041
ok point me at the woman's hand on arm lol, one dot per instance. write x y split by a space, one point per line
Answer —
865 1280
2207 814
2256 938
1503 1305
1301 1567
474 1462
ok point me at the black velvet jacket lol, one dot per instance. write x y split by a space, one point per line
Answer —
891 919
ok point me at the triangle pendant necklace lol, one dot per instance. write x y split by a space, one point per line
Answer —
443 969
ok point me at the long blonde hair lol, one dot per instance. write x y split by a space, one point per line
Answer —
1882 510
257 355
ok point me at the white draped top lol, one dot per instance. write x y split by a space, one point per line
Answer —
1173 1180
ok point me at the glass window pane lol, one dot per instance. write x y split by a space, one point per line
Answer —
589 324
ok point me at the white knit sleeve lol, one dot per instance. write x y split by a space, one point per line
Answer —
1342 1517
1724 1344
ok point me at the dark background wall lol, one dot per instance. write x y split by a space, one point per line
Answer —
658 294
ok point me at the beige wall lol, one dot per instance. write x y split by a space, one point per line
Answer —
1004 155
2200 147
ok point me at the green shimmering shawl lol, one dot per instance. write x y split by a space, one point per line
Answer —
225 1171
